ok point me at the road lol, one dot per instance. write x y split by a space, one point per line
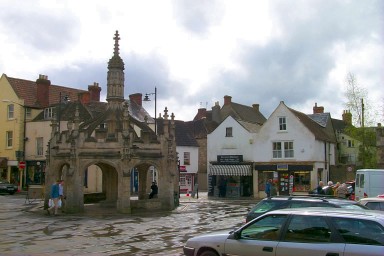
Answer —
27 230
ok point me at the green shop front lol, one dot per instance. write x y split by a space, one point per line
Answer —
288 178
230 177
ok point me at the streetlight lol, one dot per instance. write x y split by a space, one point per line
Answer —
21 154
146 98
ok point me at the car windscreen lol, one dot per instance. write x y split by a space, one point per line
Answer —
353 206
266 205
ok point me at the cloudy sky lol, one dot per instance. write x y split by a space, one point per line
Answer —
196 52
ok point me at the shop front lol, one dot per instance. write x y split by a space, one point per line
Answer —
230 180
288 178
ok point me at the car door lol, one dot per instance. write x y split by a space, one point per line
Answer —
308 235
260 237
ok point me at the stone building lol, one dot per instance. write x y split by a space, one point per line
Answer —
117 143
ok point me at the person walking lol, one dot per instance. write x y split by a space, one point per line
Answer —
61 194
55 196
154 189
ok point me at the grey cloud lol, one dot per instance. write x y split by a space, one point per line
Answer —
197 17
39 28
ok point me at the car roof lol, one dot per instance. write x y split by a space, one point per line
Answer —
315 198
337 212
372 199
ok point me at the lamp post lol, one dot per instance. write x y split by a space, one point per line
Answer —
21 155
146 98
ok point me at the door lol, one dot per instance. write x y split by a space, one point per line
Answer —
283 183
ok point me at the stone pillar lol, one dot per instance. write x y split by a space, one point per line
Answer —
143 174
124 197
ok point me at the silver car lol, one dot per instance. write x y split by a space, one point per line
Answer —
298 232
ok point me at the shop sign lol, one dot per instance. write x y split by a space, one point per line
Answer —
230 159
21 164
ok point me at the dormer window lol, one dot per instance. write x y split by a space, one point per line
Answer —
49 113
282 123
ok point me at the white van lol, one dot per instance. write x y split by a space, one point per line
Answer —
369 183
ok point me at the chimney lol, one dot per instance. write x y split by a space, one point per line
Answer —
94 92
347 117
42 90
318 110
201 113
227 100
137 98
256 107
216 113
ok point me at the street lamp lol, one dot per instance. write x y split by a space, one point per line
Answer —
22 153
146 98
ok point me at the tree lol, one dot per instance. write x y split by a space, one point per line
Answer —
361 117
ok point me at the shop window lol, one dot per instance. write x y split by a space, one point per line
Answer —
39 146
228 132
302 181
263 177
187 158
9 138
282 123
11 111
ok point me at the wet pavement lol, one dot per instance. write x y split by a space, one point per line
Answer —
26 229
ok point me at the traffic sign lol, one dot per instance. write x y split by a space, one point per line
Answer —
21 164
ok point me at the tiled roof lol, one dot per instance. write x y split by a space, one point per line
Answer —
320 132
184 136
27 90
200 128
242 112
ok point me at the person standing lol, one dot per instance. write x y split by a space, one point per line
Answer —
319 188
154 189
342 191
55 196
273 189
268 188
61 194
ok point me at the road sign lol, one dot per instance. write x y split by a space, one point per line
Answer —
21 164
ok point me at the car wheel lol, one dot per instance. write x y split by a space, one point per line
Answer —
208 253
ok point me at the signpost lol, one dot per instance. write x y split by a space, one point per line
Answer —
21 165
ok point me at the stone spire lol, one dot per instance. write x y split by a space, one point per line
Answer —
115 77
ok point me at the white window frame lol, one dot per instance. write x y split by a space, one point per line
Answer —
282 123
11 111
49 113
39 146
9 139
187 158
351 143
283 149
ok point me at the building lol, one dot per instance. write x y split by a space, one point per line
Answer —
20 102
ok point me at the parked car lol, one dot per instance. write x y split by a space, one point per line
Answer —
281 202
374 203
305 231
6 187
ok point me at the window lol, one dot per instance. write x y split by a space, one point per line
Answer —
11 111
228 132
277 151
28 113
39 146
49 113
182 180
187 158
355 231
267 228
308 229
351 143
282 123
9 139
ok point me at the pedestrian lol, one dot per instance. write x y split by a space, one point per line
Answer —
273 189
342 191
268 188
319 188
330 191
337 185
154 189
55 196
61 194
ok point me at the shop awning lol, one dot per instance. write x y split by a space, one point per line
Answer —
231 170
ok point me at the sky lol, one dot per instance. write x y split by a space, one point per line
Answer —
195 52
